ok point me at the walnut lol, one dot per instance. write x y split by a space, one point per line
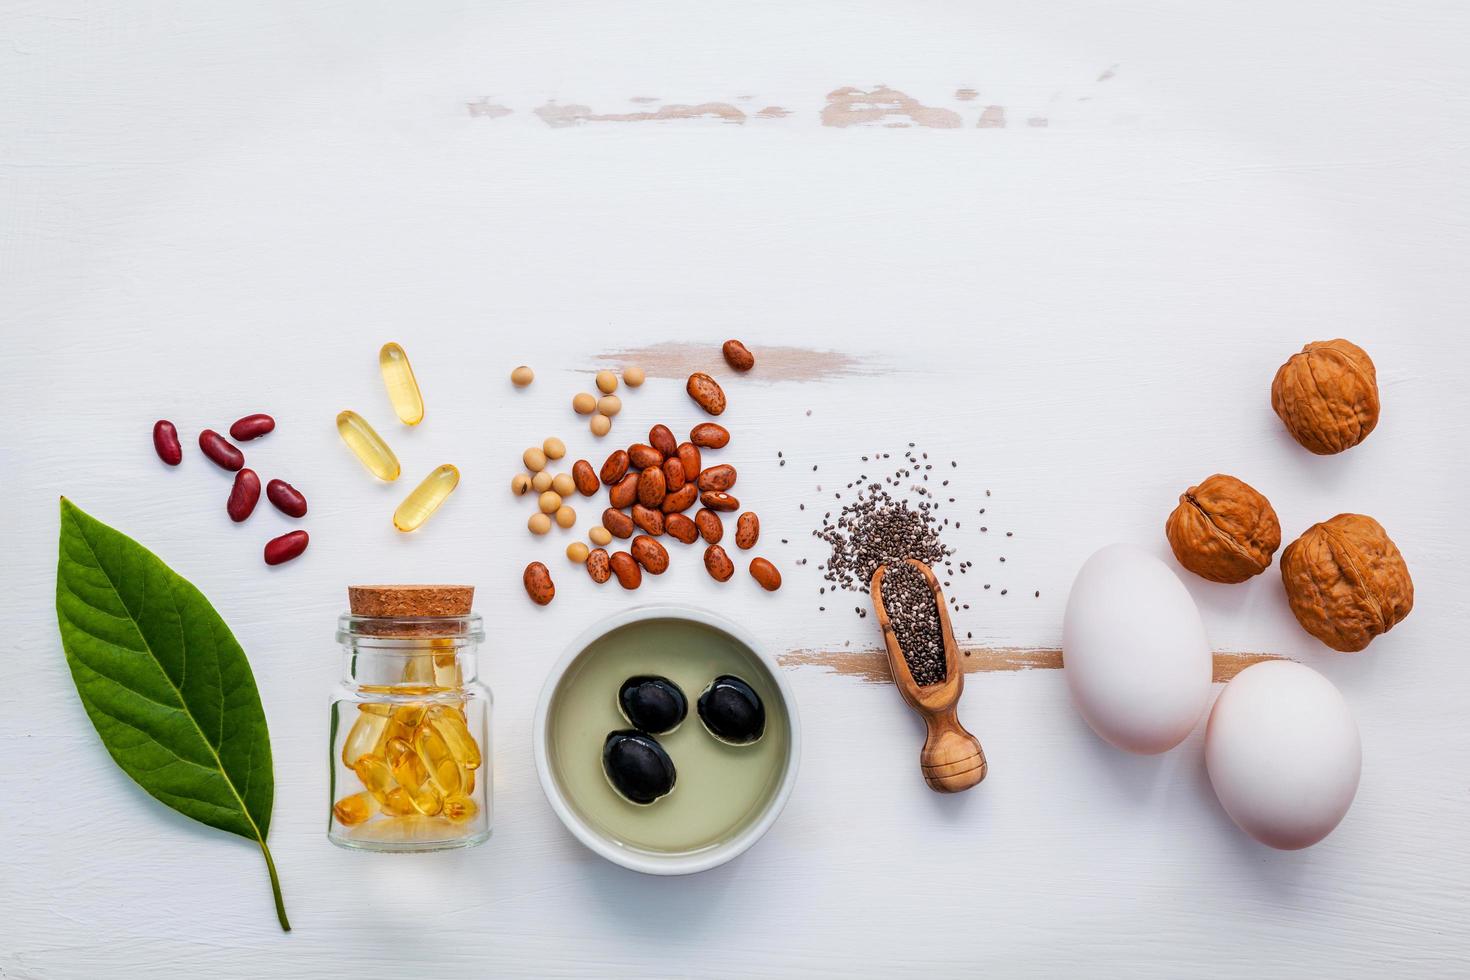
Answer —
1346 581
1223 530
1327 396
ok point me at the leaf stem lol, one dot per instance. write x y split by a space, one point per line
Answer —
270 866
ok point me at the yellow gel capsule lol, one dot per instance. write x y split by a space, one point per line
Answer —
469 781
434 752
409 715
403 388
428 801
363 736
419 670
375 776
399 803
426 498
456 735
459 808
406 765
447 675
369 448
354 809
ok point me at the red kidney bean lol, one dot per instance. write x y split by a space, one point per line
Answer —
288 499
244 495
218 448
166 442
251 427
287 546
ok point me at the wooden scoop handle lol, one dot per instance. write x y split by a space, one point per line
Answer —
951 760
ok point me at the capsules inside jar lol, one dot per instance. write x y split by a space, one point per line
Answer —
415 762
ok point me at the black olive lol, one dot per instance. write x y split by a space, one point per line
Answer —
732 711
637 766
652 704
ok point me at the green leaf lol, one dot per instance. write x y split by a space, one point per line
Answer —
165 682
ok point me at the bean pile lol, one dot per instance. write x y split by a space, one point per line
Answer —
245 491
650 486
915 618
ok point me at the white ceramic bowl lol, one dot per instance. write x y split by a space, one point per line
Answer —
669 863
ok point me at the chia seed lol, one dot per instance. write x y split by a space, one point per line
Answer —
915 618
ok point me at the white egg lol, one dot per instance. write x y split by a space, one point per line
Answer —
1134 650
1283 754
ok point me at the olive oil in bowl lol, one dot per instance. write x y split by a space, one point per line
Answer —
720 789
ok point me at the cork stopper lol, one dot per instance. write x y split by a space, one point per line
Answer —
397 601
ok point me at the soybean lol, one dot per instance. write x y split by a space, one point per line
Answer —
539 523
583 403
554 448
607 382
522 376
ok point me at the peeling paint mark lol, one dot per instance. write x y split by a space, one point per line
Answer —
643 98
1110 72
871 665
1040 122
855 107
773 112
994 117
487 109
966 94
677 360
561 116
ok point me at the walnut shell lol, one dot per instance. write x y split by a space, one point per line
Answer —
1327 396
1224 530
1346 581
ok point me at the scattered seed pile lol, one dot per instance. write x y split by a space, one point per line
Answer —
883 521
915 618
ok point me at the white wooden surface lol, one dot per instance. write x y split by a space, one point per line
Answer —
216 209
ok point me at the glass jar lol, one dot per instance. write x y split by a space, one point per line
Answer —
410 735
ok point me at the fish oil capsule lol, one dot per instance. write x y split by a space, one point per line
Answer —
369 448
447 674
428 801
354 809
456 734
410 715
375 775
406 765
459 808
399 803
403 388
426 498
363 736
434 751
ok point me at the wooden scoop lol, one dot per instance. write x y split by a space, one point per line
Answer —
952 759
